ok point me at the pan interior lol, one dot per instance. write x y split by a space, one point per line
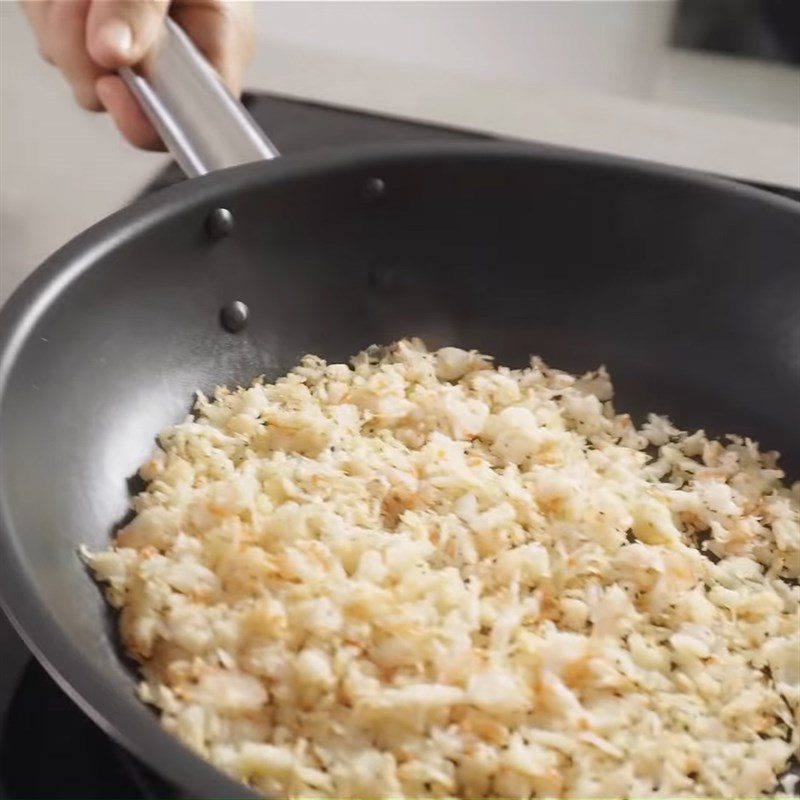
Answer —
689 293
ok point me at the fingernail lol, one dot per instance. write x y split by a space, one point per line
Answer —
117 36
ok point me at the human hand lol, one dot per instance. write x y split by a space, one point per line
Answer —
88 40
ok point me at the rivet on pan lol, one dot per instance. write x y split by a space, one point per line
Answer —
373 189
219 223
234 316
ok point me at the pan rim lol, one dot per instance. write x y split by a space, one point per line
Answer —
83 681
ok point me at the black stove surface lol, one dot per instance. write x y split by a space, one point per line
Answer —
48 747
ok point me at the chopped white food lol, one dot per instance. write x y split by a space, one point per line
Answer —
422 575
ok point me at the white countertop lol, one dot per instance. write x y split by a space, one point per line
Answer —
730 145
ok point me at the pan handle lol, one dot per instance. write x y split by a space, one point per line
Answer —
202 124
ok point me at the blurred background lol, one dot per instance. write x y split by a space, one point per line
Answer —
707 84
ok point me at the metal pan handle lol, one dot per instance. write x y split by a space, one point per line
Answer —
202 124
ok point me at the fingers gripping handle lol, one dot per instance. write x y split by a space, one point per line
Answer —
202 124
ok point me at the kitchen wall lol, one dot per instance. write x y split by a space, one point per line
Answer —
586 73
597 46
617 47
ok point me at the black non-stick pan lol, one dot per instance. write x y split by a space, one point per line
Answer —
687 288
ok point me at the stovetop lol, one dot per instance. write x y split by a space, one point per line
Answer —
48 747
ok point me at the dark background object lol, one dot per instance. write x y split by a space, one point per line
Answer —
51 749
764 29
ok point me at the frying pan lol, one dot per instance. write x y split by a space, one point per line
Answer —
686 287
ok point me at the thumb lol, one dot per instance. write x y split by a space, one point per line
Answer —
119 33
